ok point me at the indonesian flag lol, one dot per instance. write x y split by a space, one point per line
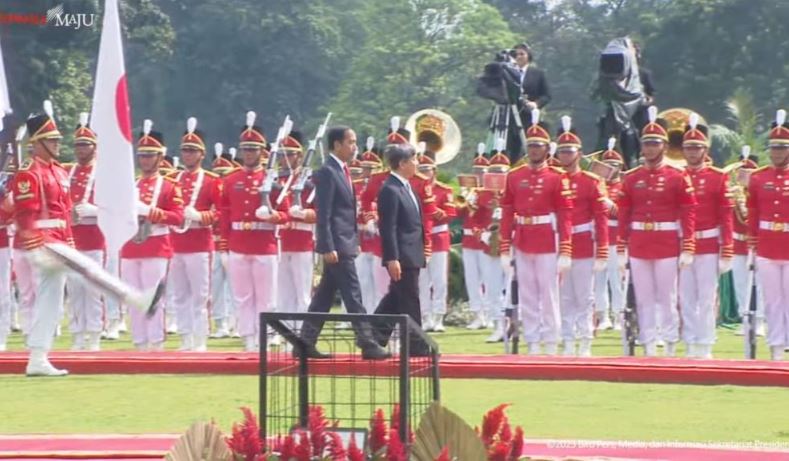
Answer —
115 189
5 101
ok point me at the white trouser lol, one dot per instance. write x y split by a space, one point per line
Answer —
85 303
190 278
611 279
294 281
23 269
253 279
5 293
433 284
698 293
493 278
774 277
222 306
739 273
577 302
47 307
538 296
366 266
112 306
472 273
655 284
145 274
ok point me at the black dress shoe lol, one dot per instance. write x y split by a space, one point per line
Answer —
311 352
375 353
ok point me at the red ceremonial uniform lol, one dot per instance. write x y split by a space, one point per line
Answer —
476 219
244 232
714 217
768 212
167 211
423 189
369 204
87 235
651 203
535 200
445 213
613 189
199 238
42 204
298 234
589 216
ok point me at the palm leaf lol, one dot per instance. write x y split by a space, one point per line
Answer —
441 428
202 442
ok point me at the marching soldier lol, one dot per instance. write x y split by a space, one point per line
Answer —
768 225
85 301
222 309
193 244
145 257
537 223
698 283
589 245
249 224
433 280
657 214
613 307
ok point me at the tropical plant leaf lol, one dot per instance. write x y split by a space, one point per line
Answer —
441 428
202 442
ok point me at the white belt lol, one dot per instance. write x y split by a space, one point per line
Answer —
533 220
159 230
87 221
613 223
654 226
740 237
441 228
51 224
774 226
585 227
708 233
301 226
468 232
251 225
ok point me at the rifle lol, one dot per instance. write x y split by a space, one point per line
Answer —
5 176
306 170
750 316
512 315
271 172
630 331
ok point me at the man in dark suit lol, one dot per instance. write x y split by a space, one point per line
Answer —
402 239
337 241
535 94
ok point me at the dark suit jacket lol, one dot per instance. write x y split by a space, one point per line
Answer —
535 86
400 225
336 209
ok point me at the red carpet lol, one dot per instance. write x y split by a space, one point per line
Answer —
154 446
616 369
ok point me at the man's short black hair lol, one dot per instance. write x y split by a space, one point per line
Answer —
525 47
336 134
396 154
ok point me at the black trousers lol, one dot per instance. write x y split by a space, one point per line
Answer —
340 276
402 298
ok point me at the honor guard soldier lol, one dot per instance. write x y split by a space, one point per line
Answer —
589 245
433 280
43 215
193 242
657 217
297 239
611 279
85 302
698 282
6 300
222 310
768 224
742 261
373 278
249 224
537 223
144 259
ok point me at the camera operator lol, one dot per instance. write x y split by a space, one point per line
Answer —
534 95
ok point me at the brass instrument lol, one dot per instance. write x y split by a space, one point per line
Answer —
469 184
677 118
438 131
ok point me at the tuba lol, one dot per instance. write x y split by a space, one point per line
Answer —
438 131
677 118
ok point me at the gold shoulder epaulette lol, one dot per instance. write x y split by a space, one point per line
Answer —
442 185
171 179
760 169
520 164
633 170
716 169
557 169
211 174
594 176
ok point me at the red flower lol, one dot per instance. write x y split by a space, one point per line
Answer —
245 443
395 451
378 431
505 434
491 423
303 451
444 455
336 450
316 425
516 450
499 452
354 452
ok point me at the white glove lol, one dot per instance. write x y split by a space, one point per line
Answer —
369 228
724 265
41 258
297 212
685 259
600 265
263 212
86 210
143 209
472 199
608 203
621 260
506 262
497 214
564 263
192 214
485 237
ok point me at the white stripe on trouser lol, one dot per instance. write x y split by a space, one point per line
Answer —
538 296
190 278
253 279
112 306
610 278
698 292
47 307
655 284
774 277
576 301
27 288
472 273
5 293
433 284
294 281
739 274
84 301
366 266
222 306
493 283
145 274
